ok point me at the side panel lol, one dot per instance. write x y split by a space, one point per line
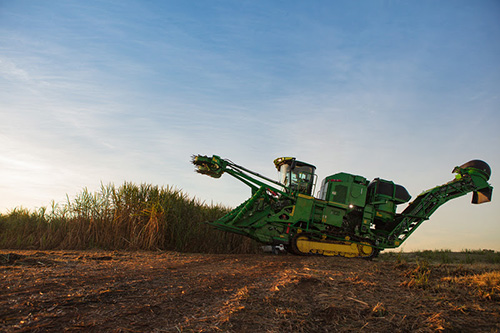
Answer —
303 209
333 216
346 189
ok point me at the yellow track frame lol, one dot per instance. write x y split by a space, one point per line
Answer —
329 248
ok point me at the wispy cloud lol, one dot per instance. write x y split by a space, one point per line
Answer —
115 91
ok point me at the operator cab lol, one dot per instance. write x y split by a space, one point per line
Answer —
296 176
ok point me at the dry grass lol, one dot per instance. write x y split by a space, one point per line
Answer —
486 285
417 276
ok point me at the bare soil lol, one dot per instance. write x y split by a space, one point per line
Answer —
173 292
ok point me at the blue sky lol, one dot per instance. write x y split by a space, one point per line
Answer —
96 92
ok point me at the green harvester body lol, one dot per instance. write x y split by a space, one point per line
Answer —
349 211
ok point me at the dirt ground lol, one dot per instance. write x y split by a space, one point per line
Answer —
174 292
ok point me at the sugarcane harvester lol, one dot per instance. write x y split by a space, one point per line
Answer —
351 217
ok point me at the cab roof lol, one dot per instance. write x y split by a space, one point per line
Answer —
289 160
